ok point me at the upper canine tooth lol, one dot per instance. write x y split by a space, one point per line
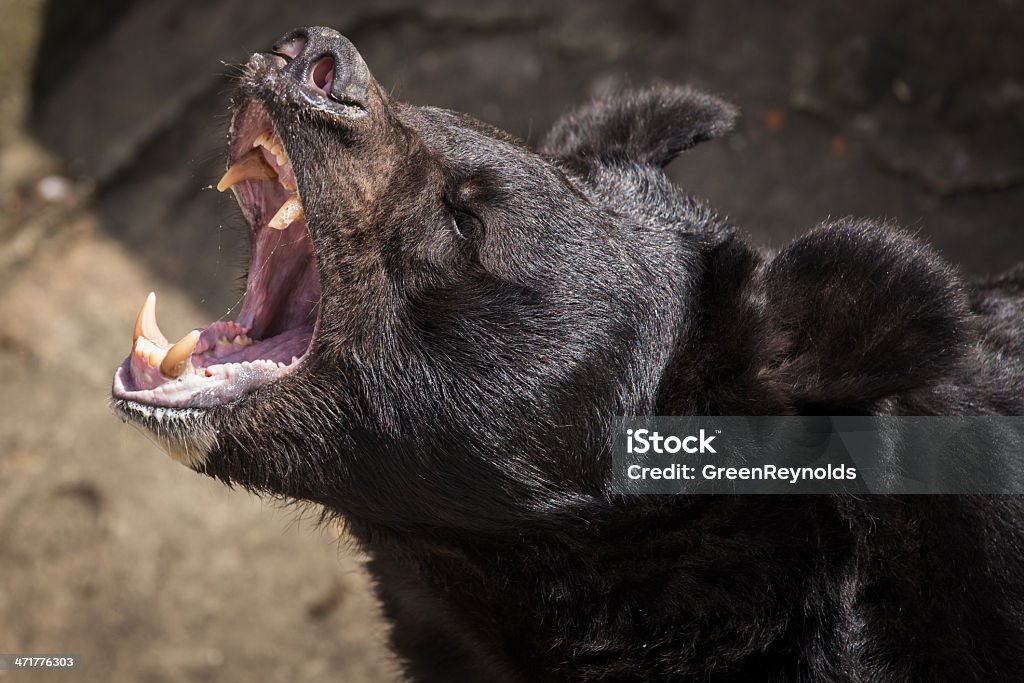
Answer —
176 360
289 212
251 165
145 323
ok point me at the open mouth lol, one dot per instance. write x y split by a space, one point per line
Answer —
273 331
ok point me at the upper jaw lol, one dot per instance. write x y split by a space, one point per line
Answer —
256 133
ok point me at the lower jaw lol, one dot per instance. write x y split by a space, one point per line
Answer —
194 391
211 380
227 359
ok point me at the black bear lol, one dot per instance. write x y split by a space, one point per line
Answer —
440 326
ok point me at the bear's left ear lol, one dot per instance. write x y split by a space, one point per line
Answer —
650 126
861 312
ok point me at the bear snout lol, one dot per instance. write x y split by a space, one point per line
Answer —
322 67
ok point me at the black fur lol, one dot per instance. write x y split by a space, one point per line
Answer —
486 312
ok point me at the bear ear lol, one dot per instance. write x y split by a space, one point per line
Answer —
861 312
650 126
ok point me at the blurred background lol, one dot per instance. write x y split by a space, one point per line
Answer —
112 125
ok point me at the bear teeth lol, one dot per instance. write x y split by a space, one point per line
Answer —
145 323
289 212
176 360
252 166
269 141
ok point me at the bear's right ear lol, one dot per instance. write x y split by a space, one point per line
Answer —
861 312
851 314
650 126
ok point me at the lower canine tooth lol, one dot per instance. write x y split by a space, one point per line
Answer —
251 166
289 212
176 360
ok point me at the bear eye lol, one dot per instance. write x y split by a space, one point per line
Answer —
466 224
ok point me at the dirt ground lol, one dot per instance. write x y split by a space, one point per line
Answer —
111 131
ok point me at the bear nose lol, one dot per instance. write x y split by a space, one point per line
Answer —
325 63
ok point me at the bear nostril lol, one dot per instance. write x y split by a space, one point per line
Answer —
291 47
322 75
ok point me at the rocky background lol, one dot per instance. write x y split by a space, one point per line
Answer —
112 123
